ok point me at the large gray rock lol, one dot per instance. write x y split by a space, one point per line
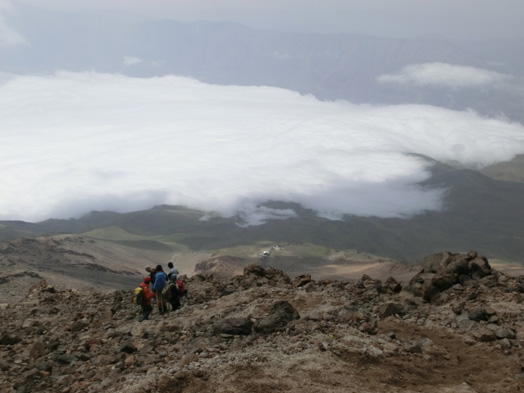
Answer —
503 333
279 316
479 268
255 275
485 335
442 271
236 326
478 314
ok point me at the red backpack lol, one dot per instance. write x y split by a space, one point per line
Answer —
180 287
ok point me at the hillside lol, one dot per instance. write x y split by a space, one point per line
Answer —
69 262
86 263
508 171
456 327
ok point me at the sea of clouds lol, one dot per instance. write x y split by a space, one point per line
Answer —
71 143
447 75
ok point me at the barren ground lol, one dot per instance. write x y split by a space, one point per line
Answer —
365 335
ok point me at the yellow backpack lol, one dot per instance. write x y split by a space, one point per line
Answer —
139 296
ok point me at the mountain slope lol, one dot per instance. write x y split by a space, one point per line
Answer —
509 171
72 262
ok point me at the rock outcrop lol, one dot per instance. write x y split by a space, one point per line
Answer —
442 271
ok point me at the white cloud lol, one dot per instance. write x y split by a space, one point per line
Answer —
129 61
8 36
76 142
443 74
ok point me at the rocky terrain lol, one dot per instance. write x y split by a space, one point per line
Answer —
85 263
456 326
69 261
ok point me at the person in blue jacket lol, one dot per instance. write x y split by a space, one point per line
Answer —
160 283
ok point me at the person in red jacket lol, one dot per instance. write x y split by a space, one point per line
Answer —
148 295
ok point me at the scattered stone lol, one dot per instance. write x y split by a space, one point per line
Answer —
254 337
485 335
505 333
78 326
478 315
392 309
191 358
393 285
302 280
128 348
8 339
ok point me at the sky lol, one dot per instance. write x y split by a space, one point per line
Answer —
391 18
75 142
8 36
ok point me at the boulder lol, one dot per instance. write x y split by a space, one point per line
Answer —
444 270
479 268
236 326
270 276
485 335
391 309
478 314
393 285
503 333
279 316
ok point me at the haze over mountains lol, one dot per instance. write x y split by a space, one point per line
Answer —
118 132
330 66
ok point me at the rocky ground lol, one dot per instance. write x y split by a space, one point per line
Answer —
67 262
457 327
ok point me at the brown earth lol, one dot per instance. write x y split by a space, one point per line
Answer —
262 331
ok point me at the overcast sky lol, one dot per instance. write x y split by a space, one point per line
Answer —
396 18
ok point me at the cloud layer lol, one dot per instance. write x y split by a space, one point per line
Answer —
447 75
75 142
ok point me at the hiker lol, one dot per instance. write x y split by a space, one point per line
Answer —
172 275
146 302
159 284
152 275
172 294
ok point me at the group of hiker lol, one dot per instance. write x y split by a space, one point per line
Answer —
164 288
